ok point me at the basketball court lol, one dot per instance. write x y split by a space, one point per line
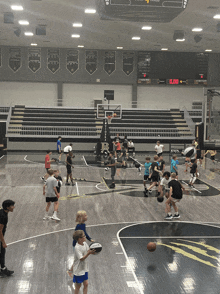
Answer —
121 219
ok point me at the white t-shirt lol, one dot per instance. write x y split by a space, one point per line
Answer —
80 267
164 182
68 148
159 148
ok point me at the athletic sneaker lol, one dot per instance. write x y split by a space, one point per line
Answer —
150 191
168 216
145 193
73 184
54 217
176 216
112 186
67 184
42 178
6 272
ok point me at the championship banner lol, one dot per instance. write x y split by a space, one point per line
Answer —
53 60
91 61
72 60
109 62
14 59
34 59
128 62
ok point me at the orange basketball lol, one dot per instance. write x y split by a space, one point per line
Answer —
151 246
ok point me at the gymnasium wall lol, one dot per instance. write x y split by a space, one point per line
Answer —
29 94
78 95
163 97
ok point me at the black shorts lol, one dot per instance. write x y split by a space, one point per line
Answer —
69 170
118 151
51 199
146 177
213 157
159 154
47 169
154 178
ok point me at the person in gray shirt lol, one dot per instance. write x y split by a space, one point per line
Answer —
51 195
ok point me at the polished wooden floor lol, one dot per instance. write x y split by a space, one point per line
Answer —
40 251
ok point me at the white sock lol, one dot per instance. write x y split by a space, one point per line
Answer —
55 213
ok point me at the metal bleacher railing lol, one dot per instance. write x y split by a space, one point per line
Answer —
93 132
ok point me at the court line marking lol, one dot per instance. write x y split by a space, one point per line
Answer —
100 188
173 237
134 223
2 156
77 189
91 165
192 187
85 160
130 265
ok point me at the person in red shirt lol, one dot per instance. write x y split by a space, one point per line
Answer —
47 164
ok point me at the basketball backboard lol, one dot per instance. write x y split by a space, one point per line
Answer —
109 110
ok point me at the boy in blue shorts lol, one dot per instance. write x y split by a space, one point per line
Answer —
80 265
146 172
173 166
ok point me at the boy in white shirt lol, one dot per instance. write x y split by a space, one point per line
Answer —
80 265
159 149
163 186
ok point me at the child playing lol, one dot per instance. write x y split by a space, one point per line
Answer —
154 174
80 266
147 171
193 172
81 218
212 153
173 166
175 195
163 186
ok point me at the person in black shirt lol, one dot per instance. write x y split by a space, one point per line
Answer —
112 165
161 165
193 172
59 183
175 195
154 175
69 168
7 205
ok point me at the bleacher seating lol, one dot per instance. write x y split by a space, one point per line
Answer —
82 123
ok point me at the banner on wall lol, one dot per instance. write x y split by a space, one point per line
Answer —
14 58
34 59
53 60
128 62
109 62
72 60
91 61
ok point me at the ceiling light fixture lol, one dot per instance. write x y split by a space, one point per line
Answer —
23 22
164 49
197 30
119 47
17 7
136 38
180 40
217 16
33 44
81 46
77 25
146 28
208 50
28 34
75 36
89 10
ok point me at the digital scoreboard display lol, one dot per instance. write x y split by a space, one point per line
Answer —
141 10
157 3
